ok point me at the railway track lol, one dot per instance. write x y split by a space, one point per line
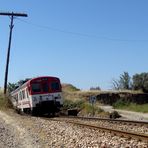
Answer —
134 122
121 133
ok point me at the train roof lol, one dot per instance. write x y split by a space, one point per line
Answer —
50 77
32 79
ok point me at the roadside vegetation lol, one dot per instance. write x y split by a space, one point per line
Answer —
139 83
92 110
76 99
121 104
4 102
83 107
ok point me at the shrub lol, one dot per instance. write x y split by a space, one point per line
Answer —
82 106
5 102
89 109
68 104
120 103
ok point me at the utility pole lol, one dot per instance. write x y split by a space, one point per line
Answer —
11 15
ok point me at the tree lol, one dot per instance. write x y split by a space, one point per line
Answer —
124 82
115 84
21 82
140 82
95 88
11 87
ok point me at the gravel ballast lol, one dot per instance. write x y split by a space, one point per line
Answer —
34 132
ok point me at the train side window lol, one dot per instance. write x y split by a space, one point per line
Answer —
20 96
17 97
14 97
23 94
27 93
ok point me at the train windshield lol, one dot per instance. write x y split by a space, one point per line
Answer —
55 86
40 87
45 87
36 87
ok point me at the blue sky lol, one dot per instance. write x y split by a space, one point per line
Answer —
83 42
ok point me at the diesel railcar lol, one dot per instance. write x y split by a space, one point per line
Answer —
39 95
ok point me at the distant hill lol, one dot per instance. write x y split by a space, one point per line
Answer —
69 88
70 92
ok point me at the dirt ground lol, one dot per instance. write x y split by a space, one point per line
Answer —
127 114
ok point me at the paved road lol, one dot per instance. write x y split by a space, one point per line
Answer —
127 114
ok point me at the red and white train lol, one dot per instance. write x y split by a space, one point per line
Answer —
38 96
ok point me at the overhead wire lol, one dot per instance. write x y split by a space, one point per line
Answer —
81 34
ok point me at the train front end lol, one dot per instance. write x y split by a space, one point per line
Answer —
46 95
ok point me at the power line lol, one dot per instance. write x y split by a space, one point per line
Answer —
81 34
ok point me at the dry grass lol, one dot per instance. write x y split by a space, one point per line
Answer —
70 92
4 101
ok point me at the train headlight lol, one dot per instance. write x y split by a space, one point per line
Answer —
55 98
59 96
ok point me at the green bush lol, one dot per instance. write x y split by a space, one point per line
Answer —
122 104
81 105
99 110
138 107
89 109
68 104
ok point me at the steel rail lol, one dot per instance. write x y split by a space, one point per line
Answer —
109 120
142 137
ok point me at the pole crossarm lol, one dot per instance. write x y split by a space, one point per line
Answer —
13 14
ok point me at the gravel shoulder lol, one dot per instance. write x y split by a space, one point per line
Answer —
127 114
7 136
12 134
